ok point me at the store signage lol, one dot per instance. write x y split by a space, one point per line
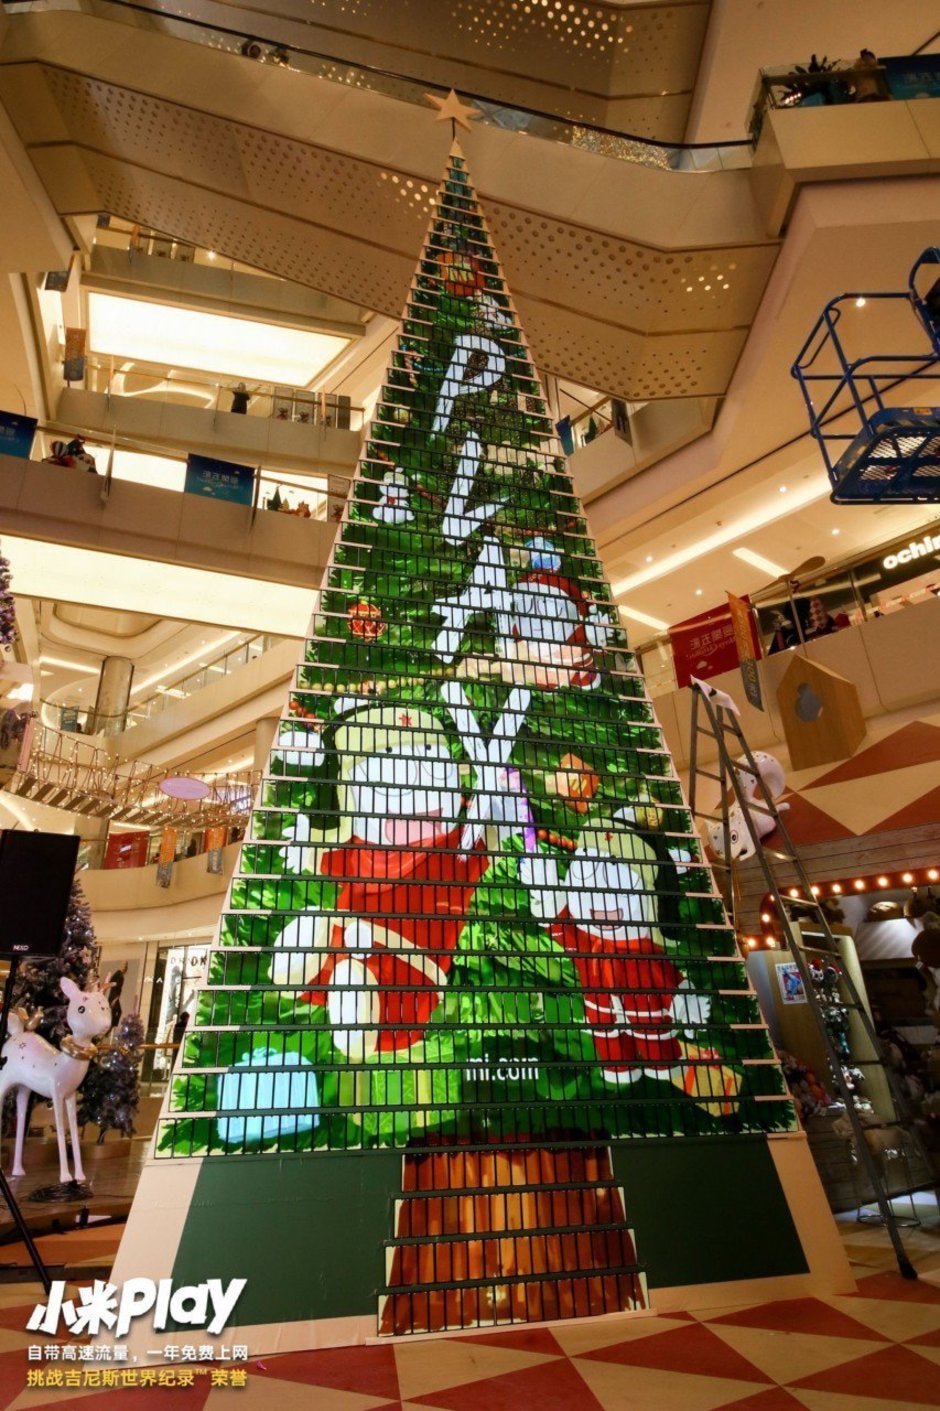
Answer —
219 480
706 645
923 548
16 434
743 628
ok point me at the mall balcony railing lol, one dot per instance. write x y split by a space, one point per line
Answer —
118 377
63 770
586 134
79 718
834 83
121 851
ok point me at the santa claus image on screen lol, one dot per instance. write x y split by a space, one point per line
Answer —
638 1006
554 632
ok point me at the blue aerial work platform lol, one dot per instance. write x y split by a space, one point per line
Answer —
875 450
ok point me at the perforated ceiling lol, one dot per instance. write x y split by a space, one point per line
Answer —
572 58
608 312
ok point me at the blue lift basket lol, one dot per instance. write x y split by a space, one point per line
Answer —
875 451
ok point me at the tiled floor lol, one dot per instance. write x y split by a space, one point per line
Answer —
877 1350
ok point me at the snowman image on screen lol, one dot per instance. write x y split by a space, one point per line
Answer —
639 1008
414 801
554 632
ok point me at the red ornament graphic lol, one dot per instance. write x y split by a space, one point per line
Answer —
365 620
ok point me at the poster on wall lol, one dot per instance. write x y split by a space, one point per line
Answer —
790 982
219 480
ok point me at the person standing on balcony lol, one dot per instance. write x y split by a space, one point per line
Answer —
240 399
869 84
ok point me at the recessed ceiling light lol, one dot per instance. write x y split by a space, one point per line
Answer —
732 532
783 489
860 302
649 558
837 531
644 618
759 561
698 592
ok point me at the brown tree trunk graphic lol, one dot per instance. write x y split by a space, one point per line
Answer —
508 1235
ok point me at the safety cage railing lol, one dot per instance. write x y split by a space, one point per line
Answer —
875 449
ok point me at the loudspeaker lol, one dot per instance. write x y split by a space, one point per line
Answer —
36 872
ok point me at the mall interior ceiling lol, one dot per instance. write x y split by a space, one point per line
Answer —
279 165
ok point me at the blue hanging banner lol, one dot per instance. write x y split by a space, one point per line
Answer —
913 76
16 434
219 480
565 435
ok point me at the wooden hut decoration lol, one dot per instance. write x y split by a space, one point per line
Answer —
821 714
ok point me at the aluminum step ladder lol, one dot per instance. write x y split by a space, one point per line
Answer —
715 717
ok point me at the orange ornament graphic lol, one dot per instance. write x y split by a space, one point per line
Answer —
461 273
365 620
575 782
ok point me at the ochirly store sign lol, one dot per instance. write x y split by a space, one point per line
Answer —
919 549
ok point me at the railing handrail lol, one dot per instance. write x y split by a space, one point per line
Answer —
421 87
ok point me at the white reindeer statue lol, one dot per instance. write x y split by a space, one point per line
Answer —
32 1064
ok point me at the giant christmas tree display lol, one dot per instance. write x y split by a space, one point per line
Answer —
475 1015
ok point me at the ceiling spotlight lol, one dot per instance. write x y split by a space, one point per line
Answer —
882 881
649 558
750 942
837 531
771 942
698 592
933 874
837 888
861 301
765 917
794 892
858 884
783 489
907 877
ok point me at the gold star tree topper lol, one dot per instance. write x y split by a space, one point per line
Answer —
451 108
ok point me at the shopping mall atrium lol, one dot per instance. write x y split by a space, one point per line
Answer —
438 440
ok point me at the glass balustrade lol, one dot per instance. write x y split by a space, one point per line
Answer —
80 718
640 150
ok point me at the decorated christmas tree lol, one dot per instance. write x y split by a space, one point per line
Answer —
37 980
110 1093
474 999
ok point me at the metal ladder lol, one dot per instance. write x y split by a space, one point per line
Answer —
722 725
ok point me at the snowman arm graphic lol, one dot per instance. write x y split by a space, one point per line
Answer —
486 591
539 875
490 757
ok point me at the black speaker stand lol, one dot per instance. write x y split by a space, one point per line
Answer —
10 1199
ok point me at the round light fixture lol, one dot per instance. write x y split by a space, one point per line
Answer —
184 786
